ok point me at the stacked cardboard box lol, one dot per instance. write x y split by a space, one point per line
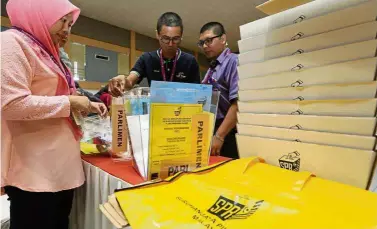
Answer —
307 98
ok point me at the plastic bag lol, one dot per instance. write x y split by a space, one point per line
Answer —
96 135
247 193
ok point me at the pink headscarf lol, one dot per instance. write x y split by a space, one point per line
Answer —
37 16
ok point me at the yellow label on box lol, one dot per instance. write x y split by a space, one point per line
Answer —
178 139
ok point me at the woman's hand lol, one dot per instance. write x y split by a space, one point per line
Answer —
79 104
98 108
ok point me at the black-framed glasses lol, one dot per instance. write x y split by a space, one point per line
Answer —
207 41
166 39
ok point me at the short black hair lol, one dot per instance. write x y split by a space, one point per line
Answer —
170 19
216 27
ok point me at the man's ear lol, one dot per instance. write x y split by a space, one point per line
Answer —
223 39
157 35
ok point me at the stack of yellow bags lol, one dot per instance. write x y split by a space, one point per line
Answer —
244 193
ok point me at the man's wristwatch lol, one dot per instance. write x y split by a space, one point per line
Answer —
219 138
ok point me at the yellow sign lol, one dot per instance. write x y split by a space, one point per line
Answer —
179 139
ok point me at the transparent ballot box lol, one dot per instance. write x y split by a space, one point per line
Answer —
175 132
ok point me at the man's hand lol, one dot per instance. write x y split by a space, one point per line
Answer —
216 146
117 85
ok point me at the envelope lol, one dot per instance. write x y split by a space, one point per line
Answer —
348 35
295 15
362 70
365 90
355 51
305 136
365 12
341 107
373 180
345 165
333 124
275 6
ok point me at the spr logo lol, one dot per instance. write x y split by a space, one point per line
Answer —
290 161
177 111
227 209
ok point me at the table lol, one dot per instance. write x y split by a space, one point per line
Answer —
103 176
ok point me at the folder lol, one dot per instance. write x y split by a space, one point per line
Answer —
305 136
357 33
365 90
340 107
318 58
365 12
333 124
295 15
345 165
363 70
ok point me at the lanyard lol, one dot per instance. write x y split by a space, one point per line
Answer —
163 66
209 79
65 71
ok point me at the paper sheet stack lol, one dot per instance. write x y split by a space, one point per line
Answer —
307 99
112 211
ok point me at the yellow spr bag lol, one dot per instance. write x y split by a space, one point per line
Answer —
248 193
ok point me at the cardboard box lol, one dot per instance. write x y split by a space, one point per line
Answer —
275 6
305 136
344 107
366 90
357 33
295 15
366 12
345 165
322 57
363 70
333 124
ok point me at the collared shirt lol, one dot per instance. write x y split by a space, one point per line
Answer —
226 78
149 66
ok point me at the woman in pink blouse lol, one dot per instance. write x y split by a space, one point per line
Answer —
41 162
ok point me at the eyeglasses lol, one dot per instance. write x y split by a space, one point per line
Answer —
166 39
207 41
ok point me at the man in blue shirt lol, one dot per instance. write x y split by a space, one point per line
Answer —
168 63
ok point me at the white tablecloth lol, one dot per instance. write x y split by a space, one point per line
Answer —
4 211
98 186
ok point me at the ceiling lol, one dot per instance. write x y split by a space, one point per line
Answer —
141 15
